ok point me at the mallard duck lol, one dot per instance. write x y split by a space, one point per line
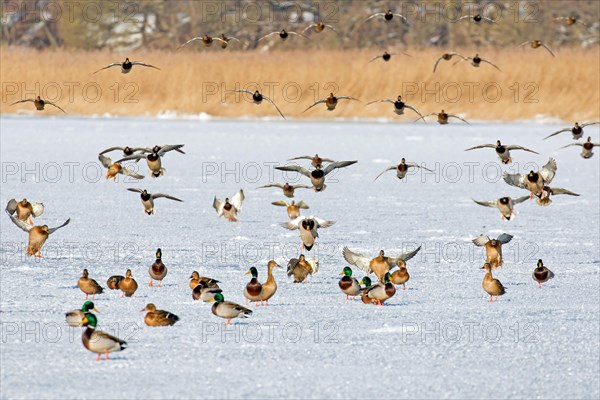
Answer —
206 40
228 209
300 268
443 117
534 44
348 283
156 317
270 286
148 199
288 190
541 274
576 130
586 148
97 341
318 27
128 285
504 204
195 279
75 317
157 270
401 275
399 105
502 150
224 40
154 158
366 281
533 181
127 66
493 248
401 169
544 199
381 291
127 150
38 234
24 209
380 265
314 160
204 292
293 209
253 290
88 286
113 169
257 98
113 281
228 309
317 175
307 227
446 57
386 56
476 18
571 20
388 16
492 286
39 103
330 101
476 61
283 35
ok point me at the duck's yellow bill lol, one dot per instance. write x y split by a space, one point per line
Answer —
95 309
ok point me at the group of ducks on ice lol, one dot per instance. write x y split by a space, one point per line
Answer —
208 290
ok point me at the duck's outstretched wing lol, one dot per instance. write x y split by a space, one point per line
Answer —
238 199
338 164
52 230
481 240
357 259
295 168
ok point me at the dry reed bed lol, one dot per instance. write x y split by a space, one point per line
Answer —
190 82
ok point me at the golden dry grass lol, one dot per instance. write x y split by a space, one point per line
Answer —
532 83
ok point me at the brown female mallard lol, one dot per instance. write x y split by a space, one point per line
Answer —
128 285
493 248
270 286
156 317
534 44
492 286
293 209
300 268
37 234
24 209
88 285
113 169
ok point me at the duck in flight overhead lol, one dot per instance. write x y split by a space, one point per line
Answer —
127 66
39 103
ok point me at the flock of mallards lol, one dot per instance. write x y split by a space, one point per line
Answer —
390 271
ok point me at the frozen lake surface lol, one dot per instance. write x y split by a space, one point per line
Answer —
438 339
